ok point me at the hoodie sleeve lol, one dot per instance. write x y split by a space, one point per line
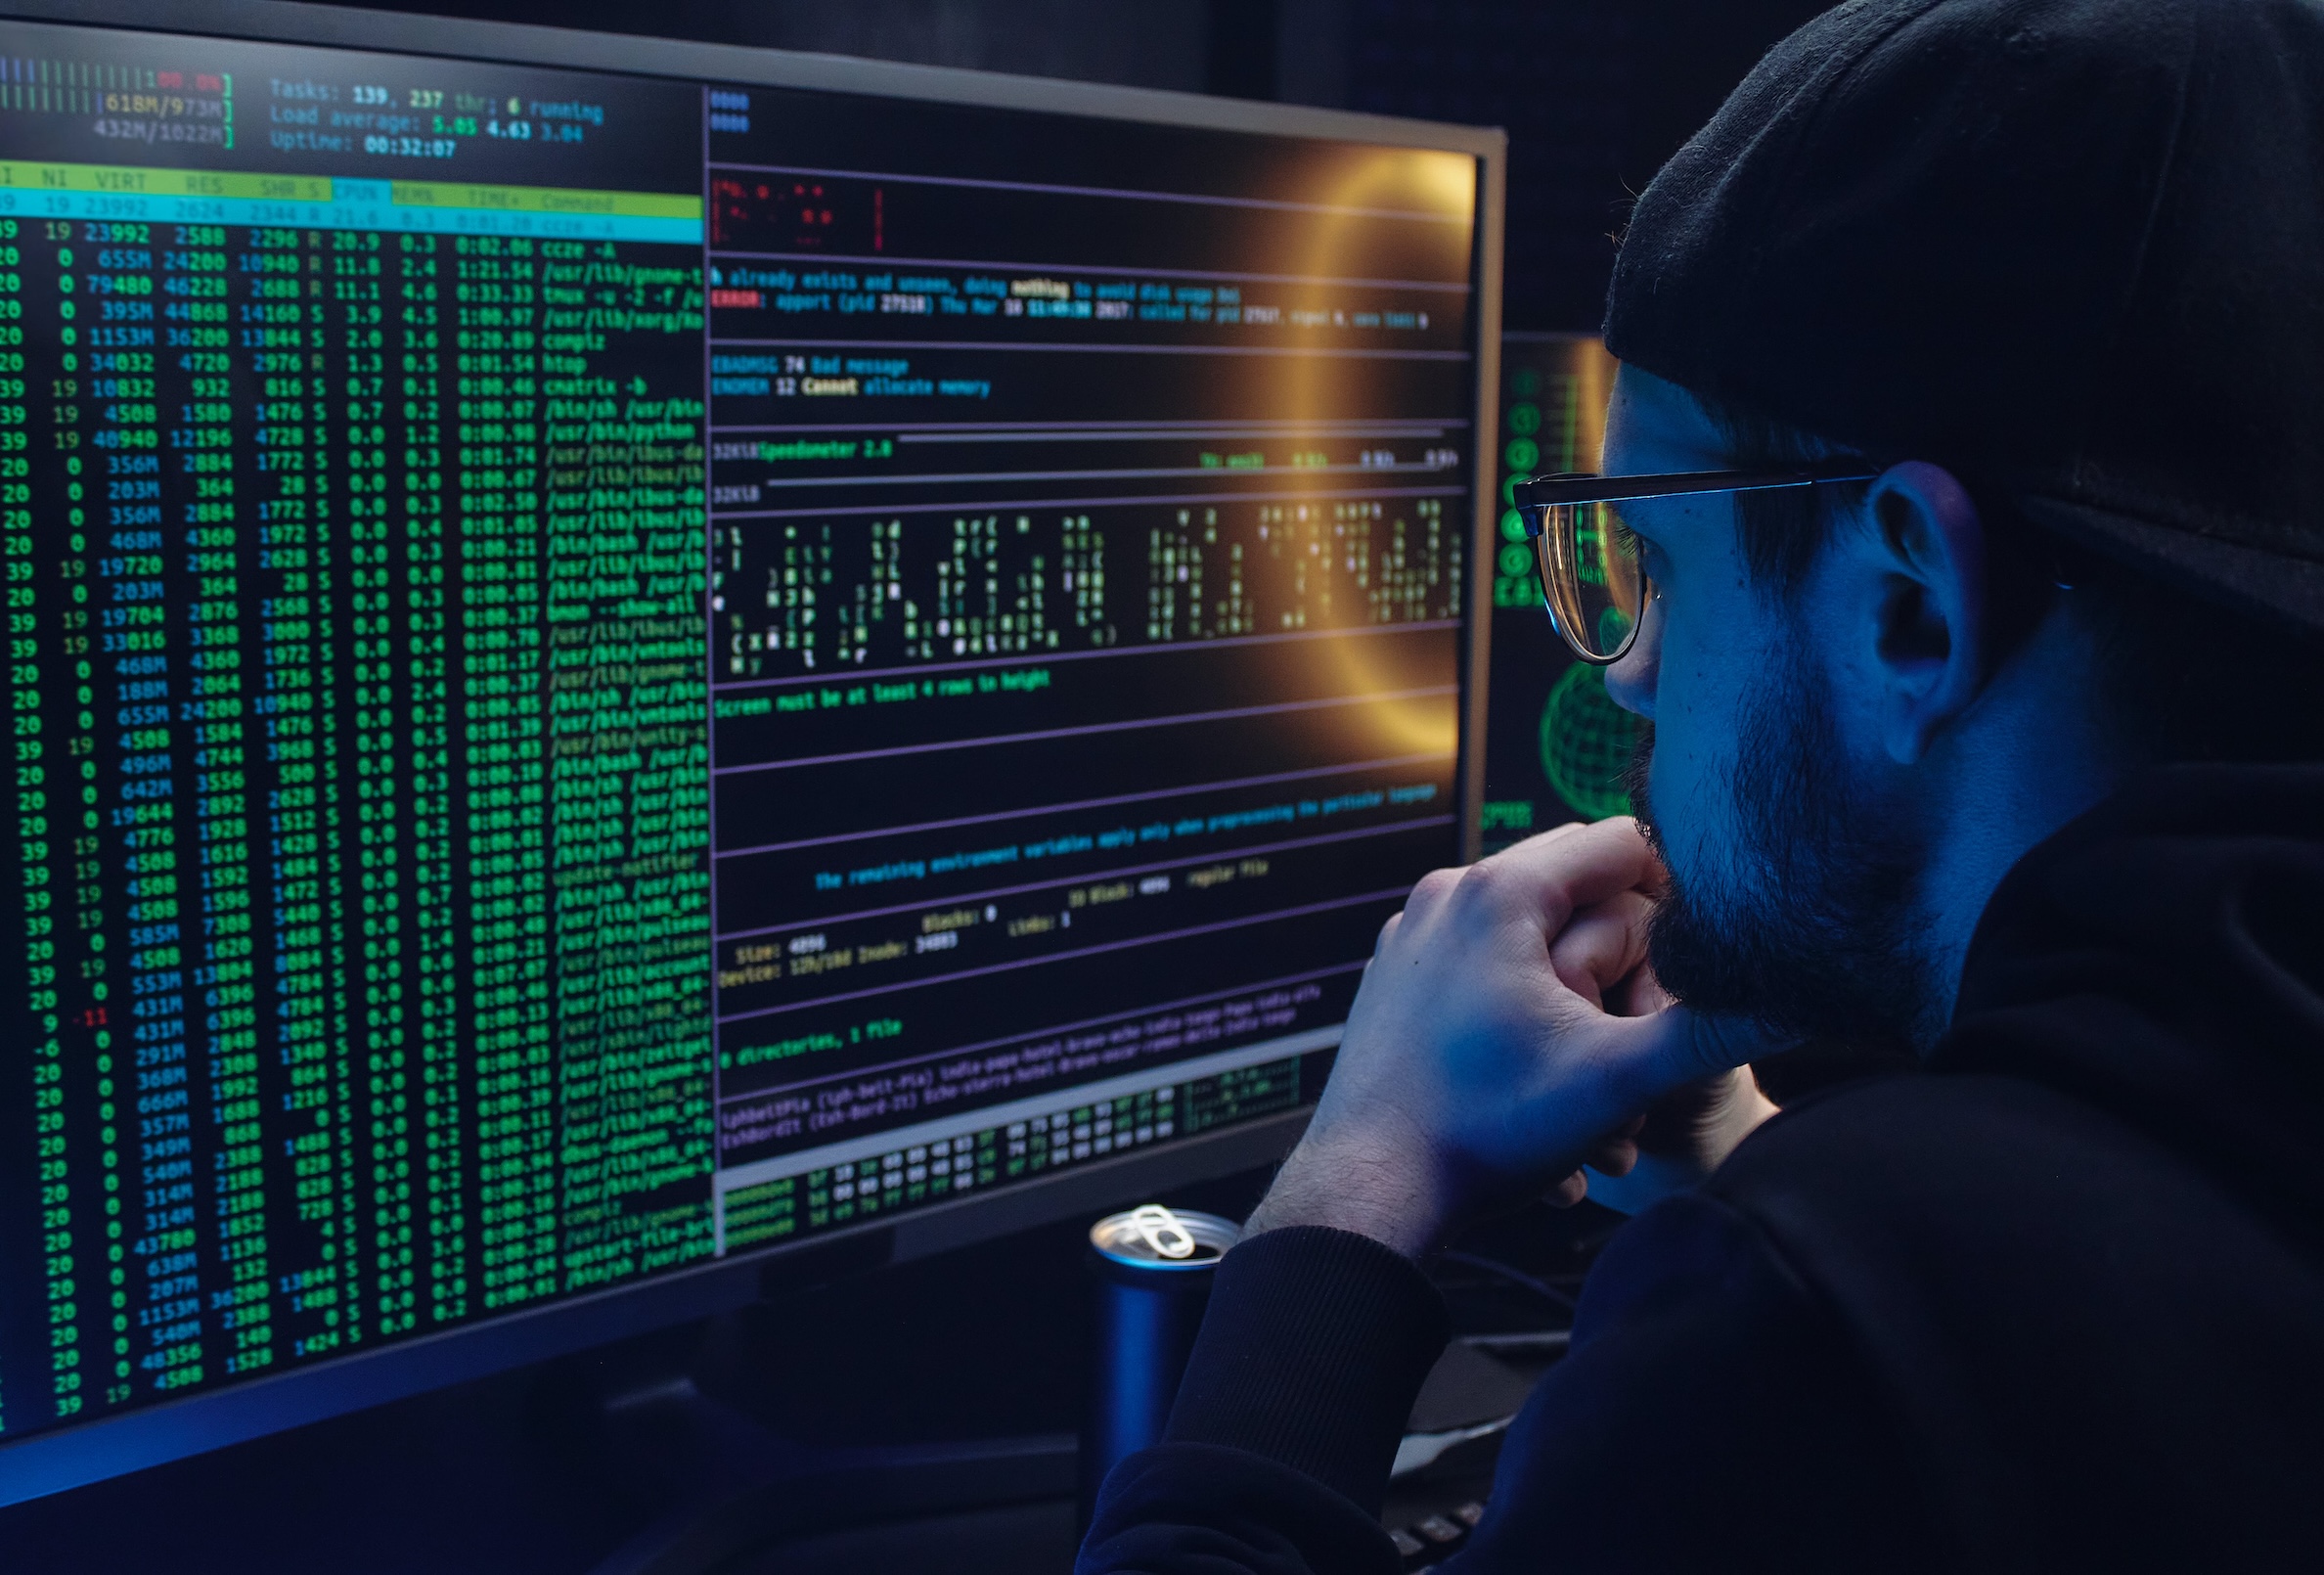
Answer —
1278 1450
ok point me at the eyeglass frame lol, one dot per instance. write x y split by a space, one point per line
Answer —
1534 497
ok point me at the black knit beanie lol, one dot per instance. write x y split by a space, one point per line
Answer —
2071 249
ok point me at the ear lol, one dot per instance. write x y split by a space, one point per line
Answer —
1924 581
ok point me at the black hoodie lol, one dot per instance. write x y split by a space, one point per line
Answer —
2057 1304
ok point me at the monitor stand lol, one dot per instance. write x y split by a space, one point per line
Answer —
918 1419
754 1500
746 1499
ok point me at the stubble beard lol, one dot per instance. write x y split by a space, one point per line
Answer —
1807 924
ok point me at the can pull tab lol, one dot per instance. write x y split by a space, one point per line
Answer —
1160 1230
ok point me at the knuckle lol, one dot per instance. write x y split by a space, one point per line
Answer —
1443 879
1433 887
1485 882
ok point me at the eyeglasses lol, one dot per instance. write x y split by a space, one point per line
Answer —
1587 558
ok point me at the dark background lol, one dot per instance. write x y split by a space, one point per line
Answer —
519 1473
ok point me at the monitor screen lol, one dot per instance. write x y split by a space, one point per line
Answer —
610 673
1555 743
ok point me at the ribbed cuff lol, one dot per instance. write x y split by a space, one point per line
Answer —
1313 1349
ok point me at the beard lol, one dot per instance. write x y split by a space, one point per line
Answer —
1806 924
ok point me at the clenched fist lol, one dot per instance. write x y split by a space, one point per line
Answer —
1507 1032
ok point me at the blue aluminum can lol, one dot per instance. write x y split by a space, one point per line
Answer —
1153 1267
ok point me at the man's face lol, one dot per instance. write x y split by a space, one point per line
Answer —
1791 872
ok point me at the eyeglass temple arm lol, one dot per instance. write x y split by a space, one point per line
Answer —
1552 490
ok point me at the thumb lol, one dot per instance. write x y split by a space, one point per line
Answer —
1674 1047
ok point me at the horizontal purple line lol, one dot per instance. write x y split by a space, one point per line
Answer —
1388 830
968 429
1055 189
1180 1003
1095 350
972 664
883 260
1242 922
1127 473
1137 433
1089 730
1322 494
1305 774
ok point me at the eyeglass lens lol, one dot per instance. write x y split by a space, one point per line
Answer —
1591 578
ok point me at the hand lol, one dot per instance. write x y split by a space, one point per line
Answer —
1687 1133
1480 1064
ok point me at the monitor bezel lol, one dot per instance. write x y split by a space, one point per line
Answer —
157 1432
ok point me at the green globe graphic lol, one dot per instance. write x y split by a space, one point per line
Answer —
1586 742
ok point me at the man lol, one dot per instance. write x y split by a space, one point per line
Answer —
2007 747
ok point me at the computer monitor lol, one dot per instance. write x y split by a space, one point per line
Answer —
1555 743
631 663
